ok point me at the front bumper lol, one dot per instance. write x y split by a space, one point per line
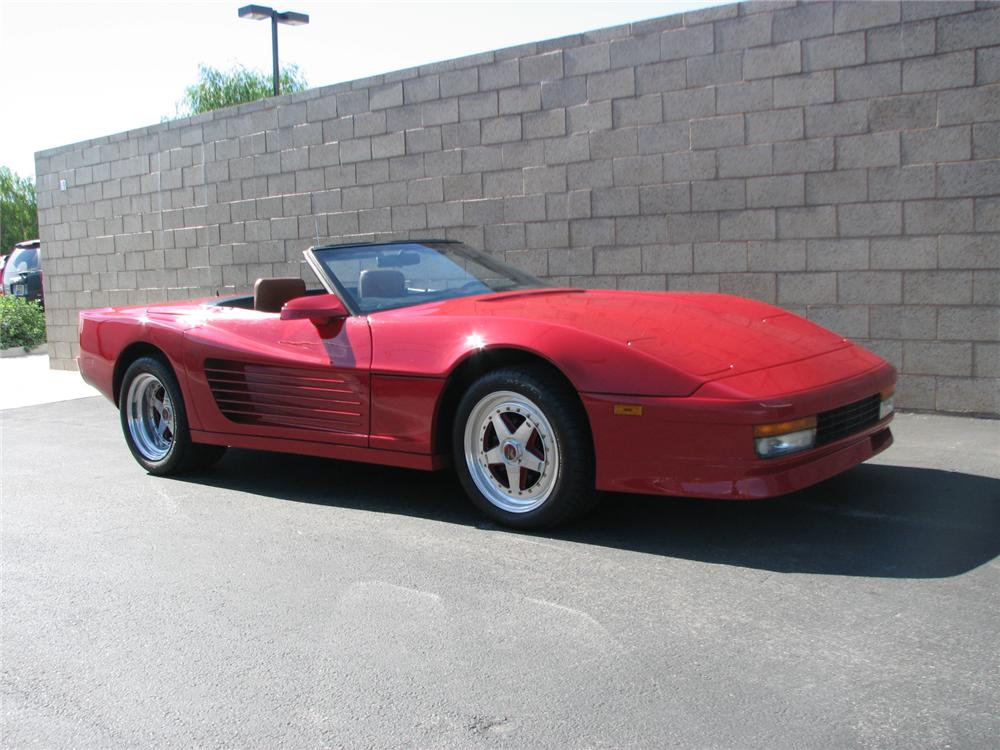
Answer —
744 481
702 446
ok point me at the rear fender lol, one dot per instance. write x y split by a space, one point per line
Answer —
111 341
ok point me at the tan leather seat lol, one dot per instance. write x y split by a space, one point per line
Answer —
270 294
382 282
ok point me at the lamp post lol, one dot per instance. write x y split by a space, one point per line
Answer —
259 13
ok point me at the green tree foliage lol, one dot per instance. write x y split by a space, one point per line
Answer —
22 322
18 210
216 88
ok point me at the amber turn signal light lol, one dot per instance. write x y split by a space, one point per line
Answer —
780 428
628 410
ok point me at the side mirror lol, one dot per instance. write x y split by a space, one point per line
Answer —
321 309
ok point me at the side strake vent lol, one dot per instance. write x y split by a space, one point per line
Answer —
285 396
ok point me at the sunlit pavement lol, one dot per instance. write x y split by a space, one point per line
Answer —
27 380
283 601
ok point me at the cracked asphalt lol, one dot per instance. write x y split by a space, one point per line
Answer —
287 602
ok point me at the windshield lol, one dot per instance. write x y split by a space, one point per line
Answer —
370 278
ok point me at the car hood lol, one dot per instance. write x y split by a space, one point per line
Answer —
642 343
701 334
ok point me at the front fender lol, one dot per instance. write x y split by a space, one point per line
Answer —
435 347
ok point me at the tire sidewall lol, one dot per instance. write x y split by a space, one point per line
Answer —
525 383
175 456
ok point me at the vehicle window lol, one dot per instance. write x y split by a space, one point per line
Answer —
22 260
383 277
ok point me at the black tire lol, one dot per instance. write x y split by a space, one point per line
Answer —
170 453
558 436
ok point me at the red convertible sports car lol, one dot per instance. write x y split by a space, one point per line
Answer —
421 354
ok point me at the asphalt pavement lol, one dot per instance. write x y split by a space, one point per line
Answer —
280 601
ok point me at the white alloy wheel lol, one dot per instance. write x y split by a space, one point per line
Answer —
511 451
152 420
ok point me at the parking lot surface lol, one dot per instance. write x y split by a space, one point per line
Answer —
280 601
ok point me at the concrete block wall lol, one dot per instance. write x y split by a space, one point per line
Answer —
840 159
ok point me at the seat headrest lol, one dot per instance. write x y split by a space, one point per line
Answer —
270 294
382 282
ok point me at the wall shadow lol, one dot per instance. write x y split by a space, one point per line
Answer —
875 520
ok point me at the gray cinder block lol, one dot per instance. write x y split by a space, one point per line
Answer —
837 158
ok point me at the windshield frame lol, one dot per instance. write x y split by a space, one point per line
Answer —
521 279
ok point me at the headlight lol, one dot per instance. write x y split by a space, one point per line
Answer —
782 438
886 407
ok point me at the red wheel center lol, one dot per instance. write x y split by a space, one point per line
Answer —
511 451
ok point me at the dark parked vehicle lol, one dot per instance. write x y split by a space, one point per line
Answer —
22 274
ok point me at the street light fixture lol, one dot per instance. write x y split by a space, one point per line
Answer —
259 13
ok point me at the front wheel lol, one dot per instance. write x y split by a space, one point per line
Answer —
154 421
522 448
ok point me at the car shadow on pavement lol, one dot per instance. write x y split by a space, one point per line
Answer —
875 520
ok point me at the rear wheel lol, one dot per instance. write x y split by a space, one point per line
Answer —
523 450
154 421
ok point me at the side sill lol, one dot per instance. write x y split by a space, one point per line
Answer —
422 462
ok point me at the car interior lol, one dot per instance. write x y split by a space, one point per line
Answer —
381 282
270 294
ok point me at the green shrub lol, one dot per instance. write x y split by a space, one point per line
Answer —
22 323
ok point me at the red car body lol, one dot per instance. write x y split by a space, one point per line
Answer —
673 384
